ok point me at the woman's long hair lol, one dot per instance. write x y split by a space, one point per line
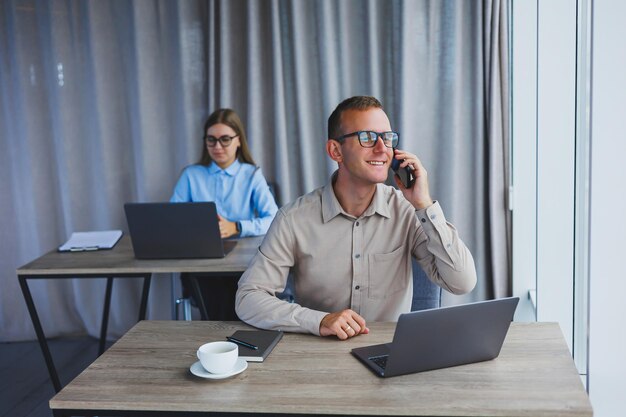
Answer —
229 118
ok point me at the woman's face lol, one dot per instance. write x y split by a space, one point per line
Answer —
222 155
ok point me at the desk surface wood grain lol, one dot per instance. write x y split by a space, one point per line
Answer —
148 369
121 260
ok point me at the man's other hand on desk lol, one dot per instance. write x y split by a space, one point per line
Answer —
343 324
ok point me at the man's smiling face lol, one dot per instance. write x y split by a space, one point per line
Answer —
365 165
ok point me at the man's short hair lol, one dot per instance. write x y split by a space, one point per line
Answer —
352 103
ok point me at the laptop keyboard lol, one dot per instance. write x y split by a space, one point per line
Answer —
380 360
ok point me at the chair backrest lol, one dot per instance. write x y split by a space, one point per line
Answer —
426 294
275 191
289 293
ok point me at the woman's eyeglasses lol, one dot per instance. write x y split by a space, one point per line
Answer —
224 140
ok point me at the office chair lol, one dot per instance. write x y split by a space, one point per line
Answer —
289 293
274 189
185 303
426 294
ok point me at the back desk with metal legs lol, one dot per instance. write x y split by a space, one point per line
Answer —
120 262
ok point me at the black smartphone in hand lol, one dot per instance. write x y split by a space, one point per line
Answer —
406 174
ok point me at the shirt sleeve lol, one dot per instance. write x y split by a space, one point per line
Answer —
441 253
256 302
263 205
182 191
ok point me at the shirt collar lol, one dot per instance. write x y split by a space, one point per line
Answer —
331 207
380 202
232 170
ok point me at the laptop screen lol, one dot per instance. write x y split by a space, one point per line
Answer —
174 230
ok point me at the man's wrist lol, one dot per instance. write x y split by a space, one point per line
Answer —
238 227
421 205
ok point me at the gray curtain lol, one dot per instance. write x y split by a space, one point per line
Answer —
103 103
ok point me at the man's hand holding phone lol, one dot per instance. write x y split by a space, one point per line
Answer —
414 189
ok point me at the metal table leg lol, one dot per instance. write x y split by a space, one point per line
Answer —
105 316
144 296
39 331
195 288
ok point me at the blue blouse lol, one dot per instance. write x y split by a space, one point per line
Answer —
240 193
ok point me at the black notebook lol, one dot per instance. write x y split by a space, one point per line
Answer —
265 340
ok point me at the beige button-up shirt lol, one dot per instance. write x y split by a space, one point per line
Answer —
341 262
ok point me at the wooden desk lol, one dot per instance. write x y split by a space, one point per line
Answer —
147 373
120 262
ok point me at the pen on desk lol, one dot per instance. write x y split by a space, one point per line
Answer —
83 248
242 343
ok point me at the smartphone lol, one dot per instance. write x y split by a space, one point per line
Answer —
406 174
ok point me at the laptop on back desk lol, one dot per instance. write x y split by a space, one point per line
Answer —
442 337
175 230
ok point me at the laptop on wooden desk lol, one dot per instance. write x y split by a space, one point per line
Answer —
176 231
442 337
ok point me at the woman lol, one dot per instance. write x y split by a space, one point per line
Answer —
226 174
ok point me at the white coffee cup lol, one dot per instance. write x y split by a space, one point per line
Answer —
218 357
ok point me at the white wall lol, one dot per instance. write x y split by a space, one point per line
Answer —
607 302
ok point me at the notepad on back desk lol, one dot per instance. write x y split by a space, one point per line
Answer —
265 340
88 241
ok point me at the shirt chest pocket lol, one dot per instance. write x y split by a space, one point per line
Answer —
388 273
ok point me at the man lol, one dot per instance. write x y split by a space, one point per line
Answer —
349 243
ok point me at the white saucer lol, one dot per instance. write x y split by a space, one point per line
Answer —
198 370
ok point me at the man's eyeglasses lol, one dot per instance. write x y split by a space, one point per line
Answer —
368 138
224 140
